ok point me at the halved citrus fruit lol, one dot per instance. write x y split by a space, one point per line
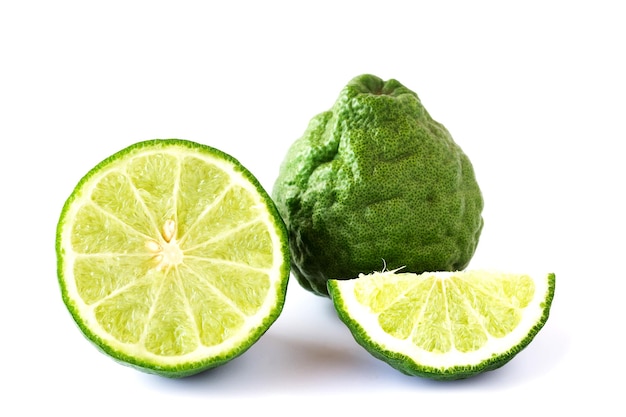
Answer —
172 257
444 325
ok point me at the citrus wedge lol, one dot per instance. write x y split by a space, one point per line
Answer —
171 257
444 325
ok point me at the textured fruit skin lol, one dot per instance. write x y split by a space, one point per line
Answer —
376 182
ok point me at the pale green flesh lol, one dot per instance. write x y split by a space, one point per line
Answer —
208 282
440 314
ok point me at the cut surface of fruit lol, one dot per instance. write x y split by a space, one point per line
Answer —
171 257
444 325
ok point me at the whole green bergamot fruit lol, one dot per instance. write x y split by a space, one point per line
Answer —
376 183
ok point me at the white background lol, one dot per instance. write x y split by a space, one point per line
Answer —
533 91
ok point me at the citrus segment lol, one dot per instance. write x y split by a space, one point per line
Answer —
171 257
444 325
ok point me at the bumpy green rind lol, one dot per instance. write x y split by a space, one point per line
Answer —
189 368
411 367
376 182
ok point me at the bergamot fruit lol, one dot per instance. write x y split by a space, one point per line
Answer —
374 182
444 325
171 257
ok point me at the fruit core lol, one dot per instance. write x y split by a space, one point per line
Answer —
166 252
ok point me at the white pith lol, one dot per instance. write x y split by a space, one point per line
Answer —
368 320
167 254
